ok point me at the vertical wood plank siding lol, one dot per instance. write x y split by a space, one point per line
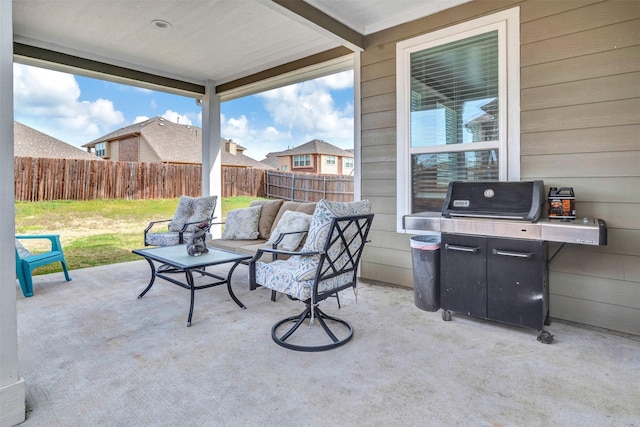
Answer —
580 127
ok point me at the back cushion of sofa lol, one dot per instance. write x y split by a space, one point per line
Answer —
270 209
306 207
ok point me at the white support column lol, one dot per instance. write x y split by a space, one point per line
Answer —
212 151
12 386
357 130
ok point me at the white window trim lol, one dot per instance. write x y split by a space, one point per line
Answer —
508 24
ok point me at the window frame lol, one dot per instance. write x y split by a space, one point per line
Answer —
348 163
507 23
303 160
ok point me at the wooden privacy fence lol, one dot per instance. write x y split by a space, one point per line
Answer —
307 187
38 179
243 182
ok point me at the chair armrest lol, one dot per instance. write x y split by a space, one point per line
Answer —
281 236
152 223
53 238
187 224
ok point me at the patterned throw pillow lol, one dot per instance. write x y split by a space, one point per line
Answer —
22 251
290 221
242 224
183 212
323 215
319 229
202 210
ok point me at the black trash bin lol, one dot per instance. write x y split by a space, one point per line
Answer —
425 253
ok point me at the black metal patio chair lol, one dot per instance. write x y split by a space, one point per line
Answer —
313 275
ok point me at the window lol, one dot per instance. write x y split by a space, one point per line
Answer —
301 161
331 160
458 109
348 162
101 149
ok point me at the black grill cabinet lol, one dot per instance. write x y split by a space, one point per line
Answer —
499 279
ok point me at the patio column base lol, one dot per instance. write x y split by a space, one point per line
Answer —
12 403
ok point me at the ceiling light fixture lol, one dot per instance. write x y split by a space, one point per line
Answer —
161 23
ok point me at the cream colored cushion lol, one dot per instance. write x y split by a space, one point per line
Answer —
306 207
242 224
268 214
290 221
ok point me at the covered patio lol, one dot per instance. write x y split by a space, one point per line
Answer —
96 355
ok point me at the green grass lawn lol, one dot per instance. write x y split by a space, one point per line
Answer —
98 232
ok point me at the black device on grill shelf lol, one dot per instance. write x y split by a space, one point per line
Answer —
495 250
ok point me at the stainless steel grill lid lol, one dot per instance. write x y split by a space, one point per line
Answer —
510 200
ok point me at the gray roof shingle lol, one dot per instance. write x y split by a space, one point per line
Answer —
176 143
28 142
315 146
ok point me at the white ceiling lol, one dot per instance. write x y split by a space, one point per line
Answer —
209 40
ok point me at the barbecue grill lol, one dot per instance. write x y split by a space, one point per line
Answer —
495 250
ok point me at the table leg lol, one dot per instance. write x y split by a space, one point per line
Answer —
192 288
153 278
231 290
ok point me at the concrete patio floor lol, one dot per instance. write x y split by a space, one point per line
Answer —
93 354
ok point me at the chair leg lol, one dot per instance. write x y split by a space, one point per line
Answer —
321 317
27 286
66 272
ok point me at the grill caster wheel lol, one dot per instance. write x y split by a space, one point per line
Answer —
446 315
545 337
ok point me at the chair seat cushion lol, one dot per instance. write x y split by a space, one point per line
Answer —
170 238
282 276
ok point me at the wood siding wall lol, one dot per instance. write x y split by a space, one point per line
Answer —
580 127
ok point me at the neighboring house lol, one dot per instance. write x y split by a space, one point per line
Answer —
316 157
28 142
160 140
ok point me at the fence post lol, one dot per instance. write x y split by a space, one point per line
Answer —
324 187
293 186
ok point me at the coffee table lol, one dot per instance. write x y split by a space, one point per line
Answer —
179 262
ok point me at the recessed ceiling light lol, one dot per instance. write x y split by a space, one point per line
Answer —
161 23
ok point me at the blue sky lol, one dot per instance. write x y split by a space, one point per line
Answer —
77 110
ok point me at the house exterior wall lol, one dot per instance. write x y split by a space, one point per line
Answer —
128 149
328 169
580 121
147 154
113 150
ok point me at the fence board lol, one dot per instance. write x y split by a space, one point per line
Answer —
307 187
38 179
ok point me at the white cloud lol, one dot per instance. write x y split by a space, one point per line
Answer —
299 113
309 109
50 102
177 117
140 119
